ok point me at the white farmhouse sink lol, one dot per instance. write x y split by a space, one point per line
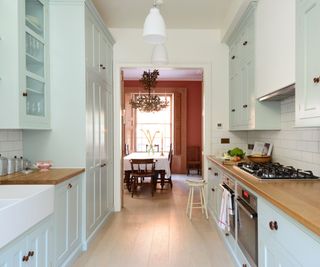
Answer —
21 207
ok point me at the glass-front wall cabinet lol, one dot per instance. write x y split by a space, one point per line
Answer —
35 53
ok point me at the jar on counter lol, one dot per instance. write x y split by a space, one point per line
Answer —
3 166
11 165
19 164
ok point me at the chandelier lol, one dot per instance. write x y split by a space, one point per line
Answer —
149 102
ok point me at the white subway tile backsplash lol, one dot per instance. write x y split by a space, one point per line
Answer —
11 143
299 147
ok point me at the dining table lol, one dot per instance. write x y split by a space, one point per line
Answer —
162 166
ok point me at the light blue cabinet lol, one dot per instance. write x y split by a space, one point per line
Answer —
24 90
67 218
307 63
288 244
245 112
32 249
214 191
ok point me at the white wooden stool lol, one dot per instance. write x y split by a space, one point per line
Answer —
196 183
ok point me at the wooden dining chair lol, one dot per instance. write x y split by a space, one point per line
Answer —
140 169
167 178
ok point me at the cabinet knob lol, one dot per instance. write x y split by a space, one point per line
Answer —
31 253
209 168
273 225
103 165
69 185
24 94
233 110
245 106
25 258
233 57
244 265
103 67
245 43
216 174
212 189
316 79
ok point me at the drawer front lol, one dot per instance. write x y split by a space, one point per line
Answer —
288 233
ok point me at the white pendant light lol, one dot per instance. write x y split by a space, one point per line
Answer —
154 29
159 54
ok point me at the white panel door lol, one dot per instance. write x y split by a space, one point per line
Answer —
308 63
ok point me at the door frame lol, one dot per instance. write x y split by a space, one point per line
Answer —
117 97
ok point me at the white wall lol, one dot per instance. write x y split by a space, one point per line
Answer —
186 48
11 143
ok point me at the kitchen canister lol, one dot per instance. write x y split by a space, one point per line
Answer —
11 165
18 165
3 166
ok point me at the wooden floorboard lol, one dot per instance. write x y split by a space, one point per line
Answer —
155 231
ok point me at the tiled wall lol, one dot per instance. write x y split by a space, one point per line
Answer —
11 143
237 139
299 147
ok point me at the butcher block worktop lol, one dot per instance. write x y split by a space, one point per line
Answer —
52 176
298 199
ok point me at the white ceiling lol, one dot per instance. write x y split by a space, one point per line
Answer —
178 14
165 74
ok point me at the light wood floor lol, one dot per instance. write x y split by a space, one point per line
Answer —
155 231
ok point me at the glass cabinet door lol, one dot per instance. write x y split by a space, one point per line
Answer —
35 57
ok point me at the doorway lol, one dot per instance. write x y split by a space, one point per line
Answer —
184 87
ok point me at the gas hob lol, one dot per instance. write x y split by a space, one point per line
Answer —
275 170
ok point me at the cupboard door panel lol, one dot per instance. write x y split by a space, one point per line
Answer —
308 64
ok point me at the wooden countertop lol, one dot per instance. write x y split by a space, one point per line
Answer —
299 199
53 176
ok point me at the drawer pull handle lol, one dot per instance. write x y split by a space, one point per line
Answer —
69 185
24 94
233 57
216 174
316 79
245 43
25 258
244 265
233 110
245 106
209 168
212 189
273 225
31 253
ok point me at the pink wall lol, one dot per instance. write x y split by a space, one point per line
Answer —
194 119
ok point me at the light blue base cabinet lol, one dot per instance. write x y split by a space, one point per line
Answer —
34 248
67 219
286 245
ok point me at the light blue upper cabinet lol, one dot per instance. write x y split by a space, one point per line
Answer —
24 91
246 113
308 63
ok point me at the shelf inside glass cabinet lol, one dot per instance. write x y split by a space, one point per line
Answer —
35 16
35 104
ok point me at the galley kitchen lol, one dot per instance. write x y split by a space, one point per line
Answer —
159 133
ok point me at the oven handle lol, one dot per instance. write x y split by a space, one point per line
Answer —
246 208
224 186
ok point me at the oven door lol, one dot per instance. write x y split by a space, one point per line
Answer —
247 231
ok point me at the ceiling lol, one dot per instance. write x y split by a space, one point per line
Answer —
165 74
178 14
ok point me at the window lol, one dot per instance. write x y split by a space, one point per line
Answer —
158 125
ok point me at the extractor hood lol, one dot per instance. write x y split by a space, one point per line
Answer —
279 94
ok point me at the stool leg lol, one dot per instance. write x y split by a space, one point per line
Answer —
205 203
191 204
188 203
201 200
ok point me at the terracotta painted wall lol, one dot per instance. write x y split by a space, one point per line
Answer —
194 105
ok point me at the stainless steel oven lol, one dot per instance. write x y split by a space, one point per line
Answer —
247 224
229 184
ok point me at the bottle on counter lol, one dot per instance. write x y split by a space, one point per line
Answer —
3 166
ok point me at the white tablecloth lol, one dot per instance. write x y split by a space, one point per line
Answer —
161 164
